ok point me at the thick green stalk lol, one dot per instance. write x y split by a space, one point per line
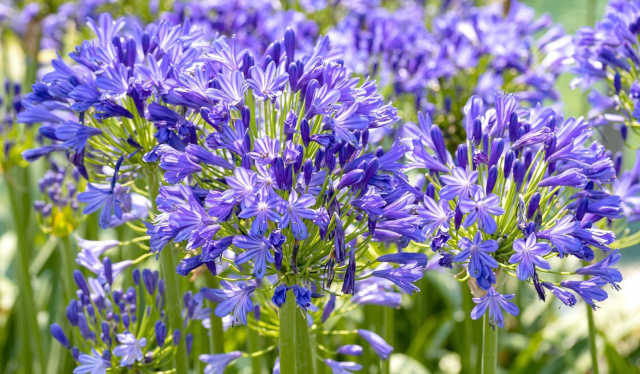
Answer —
296 355
67 255
489 348
20 209
254 346
216 339
305 362
387 316
172 293
592 340
287 337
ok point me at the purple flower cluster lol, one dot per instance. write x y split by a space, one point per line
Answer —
525 187
436 66
114 332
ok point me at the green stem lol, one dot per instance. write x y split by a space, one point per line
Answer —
20 209
67 254
305 363
216 339
387 316
592 340
287 337
172 293
489 348
254 346
296 356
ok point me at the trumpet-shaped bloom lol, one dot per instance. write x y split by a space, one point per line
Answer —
495 303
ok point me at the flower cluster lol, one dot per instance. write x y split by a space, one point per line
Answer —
610 52
525 189
469 50
122 329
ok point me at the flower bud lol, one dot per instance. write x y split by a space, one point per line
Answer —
533 205
462 156
279 295
438 142
305 132
290 44
491 179
513 127
518 174
59 335
477 132
431 191
617 83
497 147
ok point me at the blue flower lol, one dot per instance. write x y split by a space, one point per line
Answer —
342 367
263 208
379 345
496 303
75 135
437 215
296 210
280 295
561 237
566 297
266 84
256 248
603 270
478 252
303 296
242 184
107 199
482 209
529 255
130 348
459 184
232 88
403 276
590 290
91 364
216 364
234 299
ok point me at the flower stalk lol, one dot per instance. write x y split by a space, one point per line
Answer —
296 356
167 267
489 348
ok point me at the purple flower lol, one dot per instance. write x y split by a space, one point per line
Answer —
458 184
75 135
302 295
130 349
351 350
529 255
177 165
257 249
58 334
477 251
570 177
590 290
242 184
265 150
342 367
232 88
263 208
298 209
482 210
437 215
280 295
561 237
234 298
566 297
403 276
496 303
266 84
322 101
603 270
107 199
216 364
382 349
93 364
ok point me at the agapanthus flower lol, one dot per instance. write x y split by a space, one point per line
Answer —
106 317
522 189
495 303
217 363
